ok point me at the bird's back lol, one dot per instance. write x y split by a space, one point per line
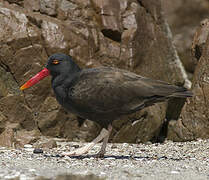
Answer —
107 93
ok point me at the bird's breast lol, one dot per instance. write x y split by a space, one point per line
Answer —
63 96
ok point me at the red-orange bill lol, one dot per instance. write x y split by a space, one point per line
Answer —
35 79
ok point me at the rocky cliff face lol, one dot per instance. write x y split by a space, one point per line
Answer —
129 34
193 122
184 16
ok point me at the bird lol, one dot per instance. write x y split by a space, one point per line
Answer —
102 94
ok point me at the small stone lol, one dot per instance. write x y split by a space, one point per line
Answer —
102 173
75 146
174 172
32 170
114 146
38 151
47 155
59 155
139 159
125 144
23 177
29 149
28 146
110 158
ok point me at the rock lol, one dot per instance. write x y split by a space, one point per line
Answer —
110 17
183 24
7 138
19 2
13 136
139 130
45 143
3 120
8 85
14 109
47 118
24 138
78 177
200 39
64 9
28 146
55 121
32 5
122 33
38 151
48 7
193 122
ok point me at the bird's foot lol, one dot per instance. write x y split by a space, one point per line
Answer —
100 154
104 134
76 152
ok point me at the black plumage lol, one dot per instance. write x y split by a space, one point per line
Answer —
104 94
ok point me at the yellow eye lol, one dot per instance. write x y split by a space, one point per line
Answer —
55 61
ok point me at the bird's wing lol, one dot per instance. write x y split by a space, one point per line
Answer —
109 89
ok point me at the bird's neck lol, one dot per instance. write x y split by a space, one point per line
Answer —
66 78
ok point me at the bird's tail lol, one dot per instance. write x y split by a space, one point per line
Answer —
182 92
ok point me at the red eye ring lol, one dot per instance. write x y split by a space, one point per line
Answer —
55 61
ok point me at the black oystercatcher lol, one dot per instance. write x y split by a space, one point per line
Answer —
102 94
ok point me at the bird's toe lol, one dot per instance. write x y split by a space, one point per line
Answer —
77 152
68 154
100 154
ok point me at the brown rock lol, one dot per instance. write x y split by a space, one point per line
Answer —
15 27
47 118
2 122
32 5
45 143
200 38
16 111
56 122
19 2
64 9
110 17
8 85
7 138
129 34
138 128
23 137
12 136
48 7
193 122
183 18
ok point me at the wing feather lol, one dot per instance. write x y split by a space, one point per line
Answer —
107 89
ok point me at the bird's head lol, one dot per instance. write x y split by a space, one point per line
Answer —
58 64
61 64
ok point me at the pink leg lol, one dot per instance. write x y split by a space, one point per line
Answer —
104 144
83 150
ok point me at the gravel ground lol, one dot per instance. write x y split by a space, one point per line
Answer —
187 160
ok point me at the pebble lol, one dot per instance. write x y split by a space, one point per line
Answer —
109 158
32 170
38 151
23 177
29 149
174 172
13 175
28 146
186 160
75 146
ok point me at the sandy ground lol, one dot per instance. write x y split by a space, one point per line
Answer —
187 161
